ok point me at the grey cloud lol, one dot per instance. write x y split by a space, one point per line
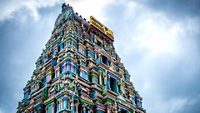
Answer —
192 106
169 84
21 41
176 8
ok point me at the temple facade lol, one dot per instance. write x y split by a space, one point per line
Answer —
79 71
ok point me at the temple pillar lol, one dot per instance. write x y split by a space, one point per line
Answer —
76 107
72 107
54 107
66 105
94 78
108 82
46 109
84 109
100 79
65 68
116 86
108 108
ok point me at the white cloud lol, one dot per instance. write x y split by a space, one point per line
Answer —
11 7
84 7
152 32
154 48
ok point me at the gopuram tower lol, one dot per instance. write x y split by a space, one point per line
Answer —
79 71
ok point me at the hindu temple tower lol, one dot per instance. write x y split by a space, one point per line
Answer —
79 71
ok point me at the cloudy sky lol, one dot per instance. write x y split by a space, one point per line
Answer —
157 40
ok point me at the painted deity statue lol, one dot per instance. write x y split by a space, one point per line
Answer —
105 77
121 87
115 110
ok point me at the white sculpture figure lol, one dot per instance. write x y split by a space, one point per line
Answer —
90 64
111 66
58 60
121 87
105 77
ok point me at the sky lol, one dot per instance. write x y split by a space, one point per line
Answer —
157 40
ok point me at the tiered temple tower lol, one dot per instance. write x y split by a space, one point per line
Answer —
80 72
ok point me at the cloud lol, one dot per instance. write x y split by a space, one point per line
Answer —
21 42
94 8
10 7
175 8
161 53
192 105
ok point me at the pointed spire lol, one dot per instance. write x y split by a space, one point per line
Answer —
64 7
